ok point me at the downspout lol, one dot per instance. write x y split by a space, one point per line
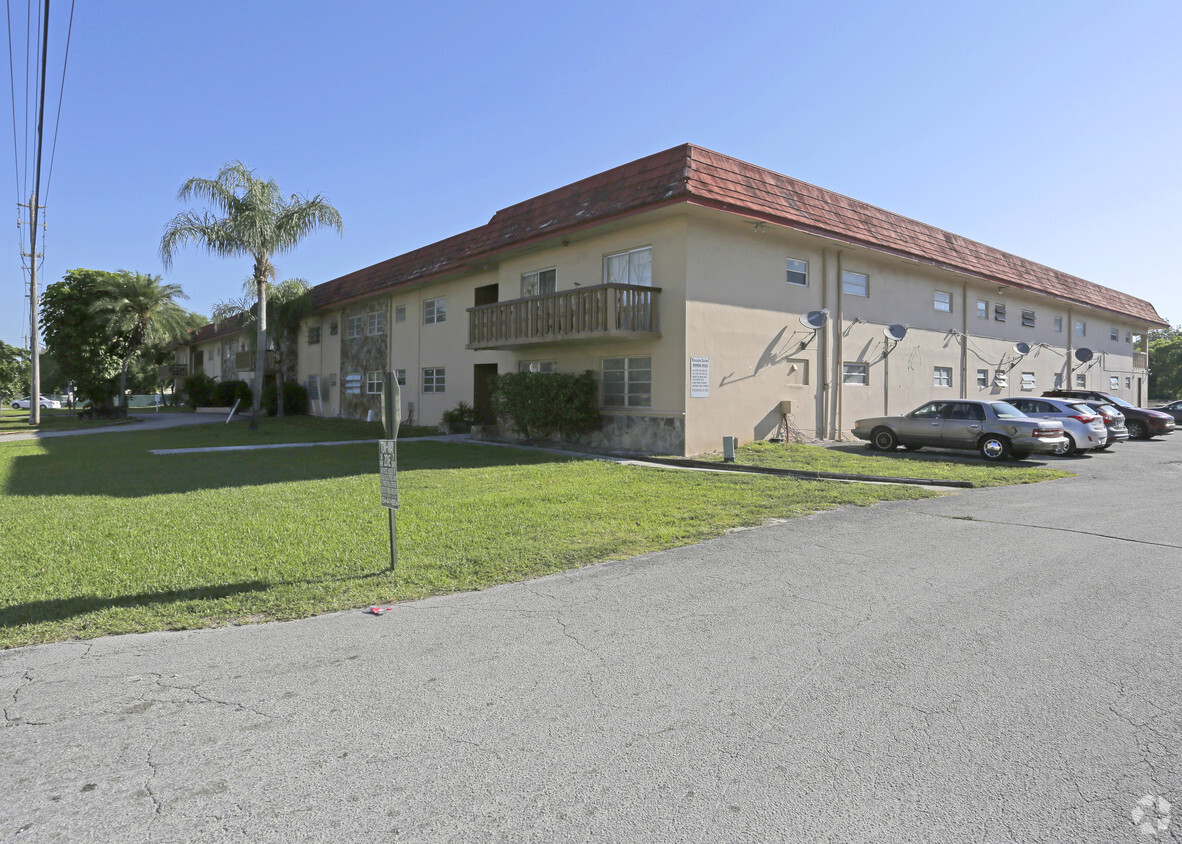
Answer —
838 350
822 414
964 340
1070 385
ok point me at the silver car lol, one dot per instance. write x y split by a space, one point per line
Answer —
993 429
1113 420
1082 426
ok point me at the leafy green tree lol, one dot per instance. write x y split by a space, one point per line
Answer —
77 336
139 311
14 372
1165 363
288 302
256 221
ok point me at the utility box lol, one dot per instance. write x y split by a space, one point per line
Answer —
728 449
785 407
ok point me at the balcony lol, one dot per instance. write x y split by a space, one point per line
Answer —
585 314
1140 360
172 370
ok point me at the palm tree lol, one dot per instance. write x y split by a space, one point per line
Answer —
140 311
257 221
288 302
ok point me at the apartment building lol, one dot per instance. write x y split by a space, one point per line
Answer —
713 297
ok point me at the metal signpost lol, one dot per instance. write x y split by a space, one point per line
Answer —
388 457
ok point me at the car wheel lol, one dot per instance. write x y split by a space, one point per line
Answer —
993 447
16 405
884 439
1069 449
1137 430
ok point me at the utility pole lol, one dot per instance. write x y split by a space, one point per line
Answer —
34 317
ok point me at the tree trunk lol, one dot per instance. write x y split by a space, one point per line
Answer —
261 352
279 389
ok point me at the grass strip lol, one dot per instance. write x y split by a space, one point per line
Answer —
111 539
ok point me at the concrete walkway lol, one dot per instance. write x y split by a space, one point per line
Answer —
997 665
150 421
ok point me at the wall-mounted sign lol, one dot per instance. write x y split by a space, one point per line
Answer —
700 378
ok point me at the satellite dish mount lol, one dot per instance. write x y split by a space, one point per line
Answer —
815 320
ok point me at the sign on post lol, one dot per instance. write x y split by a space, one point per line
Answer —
388 457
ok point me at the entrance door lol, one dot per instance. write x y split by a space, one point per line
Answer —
482 374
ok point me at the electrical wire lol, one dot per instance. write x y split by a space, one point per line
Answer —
60 96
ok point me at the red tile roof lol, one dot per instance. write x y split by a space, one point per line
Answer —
692 174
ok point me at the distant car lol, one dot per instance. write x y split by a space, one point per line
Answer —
993 429
1114 422
23 404
1083 428
1174 408
1142 422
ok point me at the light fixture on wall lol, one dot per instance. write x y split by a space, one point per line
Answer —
759 228
1001 291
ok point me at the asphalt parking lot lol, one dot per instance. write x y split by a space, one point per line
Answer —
995 665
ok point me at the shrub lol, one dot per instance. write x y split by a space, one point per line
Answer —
295 398
225 393
199 390
461 418
539 405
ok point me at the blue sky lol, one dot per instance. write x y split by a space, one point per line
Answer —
1052 130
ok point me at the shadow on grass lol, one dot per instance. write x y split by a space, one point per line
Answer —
121 467
59 609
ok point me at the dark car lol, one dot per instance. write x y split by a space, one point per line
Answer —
1174 408
1142 422
993 429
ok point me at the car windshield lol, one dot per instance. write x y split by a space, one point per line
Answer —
1118 401
1005 410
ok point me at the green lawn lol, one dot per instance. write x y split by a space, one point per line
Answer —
859 460
100 536
52 419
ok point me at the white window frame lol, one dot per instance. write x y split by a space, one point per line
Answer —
1081 328
943 305
400 377
942 376
855 284
983 378
373 382
355 327
636 272
982 309
434 379
797 272
856 373
435 310
625 395
400 313
546 367
537 282
1114 382
353 384
1114 335
1058 324
1028 317
375 322
1081 381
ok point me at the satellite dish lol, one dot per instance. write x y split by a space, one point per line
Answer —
895 332
1083 355
1022 348
814 319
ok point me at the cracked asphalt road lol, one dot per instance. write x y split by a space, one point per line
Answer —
997 665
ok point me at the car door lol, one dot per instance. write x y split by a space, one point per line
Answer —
924 425
963 425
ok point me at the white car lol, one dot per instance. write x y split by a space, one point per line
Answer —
23 404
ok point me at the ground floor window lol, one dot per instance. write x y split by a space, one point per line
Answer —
314 387
1114 382
434 380
1027 380
627 382
982 377
545 366
942 376
855 373
400 377
353 384
1081 380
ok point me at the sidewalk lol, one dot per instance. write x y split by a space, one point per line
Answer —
143 422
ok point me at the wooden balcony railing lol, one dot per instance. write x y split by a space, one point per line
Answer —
244 361
172 370
601 312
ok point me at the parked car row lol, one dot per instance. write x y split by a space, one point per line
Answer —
1061 422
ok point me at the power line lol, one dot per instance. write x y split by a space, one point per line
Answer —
61 95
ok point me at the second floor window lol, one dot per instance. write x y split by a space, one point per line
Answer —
855 284
434 311
313 335
943 302
539 283
355 327
376 322
632 267
798 272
